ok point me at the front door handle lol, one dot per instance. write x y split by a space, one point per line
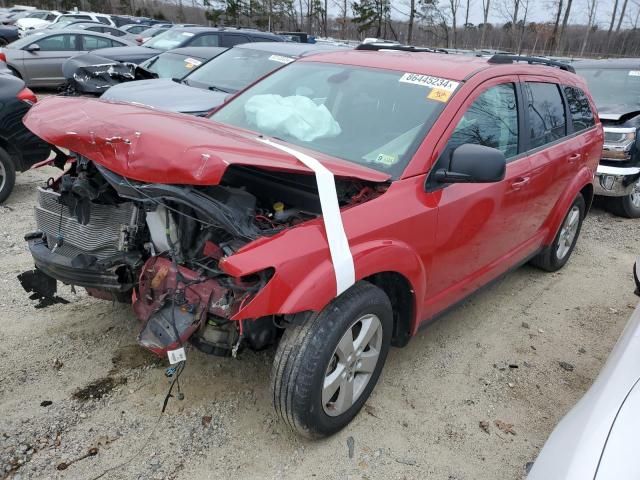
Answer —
520 182
574 158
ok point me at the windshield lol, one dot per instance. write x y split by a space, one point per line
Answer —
372 117
168 40
235 69
171 65
613 86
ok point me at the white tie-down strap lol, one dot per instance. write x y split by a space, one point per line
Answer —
338 244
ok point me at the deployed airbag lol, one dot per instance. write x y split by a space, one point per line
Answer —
295 116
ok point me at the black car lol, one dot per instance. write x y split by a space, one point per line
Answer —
207 86
179 37
615 87
20 149
8 34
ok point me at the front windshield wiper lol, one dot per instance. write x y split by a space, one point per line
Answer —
213 88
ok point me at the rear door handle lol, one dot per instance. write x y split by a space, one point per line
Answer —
574 158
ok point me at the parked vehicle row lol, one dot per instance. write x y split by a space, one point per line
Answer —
334 207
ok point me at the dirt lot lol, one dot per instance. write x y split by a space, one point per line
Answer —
73 379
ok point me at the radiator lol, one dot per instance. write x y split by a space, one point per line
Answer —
106 234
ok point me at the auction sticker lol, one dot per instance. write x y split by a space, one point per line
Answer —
280 58
429 81
439 94
192 62
634 73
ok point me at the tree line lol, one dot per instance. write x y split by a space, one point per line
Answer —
568 31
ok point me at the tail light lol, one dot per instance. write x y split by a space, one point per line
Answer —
3 57
139 39
27 96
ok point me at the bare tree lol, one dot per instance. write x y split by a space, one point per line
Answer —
412 17
554 34
592 7
564 24
454 6
624 8
486 4
613 19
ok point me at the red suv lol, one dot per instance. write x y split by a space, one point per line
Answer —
335 207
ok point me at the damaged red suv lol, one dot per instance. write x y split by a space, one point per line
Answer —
334 208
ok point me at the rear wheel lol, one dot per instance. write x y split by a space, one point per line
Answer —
326 367
627 206
7 175
3 42
554 256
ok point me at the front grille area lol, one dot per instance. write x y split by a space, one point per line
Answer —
102 237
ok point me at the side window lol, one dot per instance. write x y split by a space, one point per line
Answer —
57 43
492 121
229 40
579 108
545 112
206 41
104 20
93 43
114 31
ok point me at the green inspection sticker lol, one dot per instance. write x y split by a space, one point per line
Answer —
385 159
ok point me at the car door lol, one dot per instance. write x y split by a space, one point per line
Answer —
552 153
43 67
480 230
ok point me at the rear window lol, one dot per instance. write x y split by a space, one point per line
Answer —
545 112
579 107
613 86
169 40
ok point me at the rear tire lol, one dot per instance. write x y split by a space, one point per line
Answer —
3 42
554 257
328 363
627 206
7 175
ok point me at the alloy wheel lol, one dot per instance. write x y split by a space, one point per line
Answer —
635 195
3 177
568 232
352 364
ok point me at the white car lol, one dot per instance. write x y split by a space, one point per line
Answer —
36 20
598 439
96 17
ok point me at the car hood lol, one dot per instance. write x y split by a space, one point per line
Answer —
616 112
31 22
164 147
165 94
133 51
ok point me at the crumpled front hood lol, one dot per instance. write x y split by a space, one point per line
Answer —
616 112
163 147
165 94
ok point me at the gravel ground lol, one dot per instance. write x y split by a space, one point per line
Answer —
473 396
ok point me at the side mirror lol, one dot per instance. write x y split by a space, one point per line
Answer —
472 163
34 47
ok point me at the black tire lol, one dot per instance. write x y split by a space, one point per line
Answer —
307 348
549 259
3 42
623 207
7 175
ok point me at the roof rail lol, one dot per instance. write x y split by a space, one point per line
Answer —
503 58
395 46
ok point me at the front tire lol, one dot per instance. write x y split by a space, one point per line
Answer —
627 206
7 175
554 257
328 363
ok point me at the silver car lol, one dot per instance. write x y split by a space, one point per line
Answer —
38 58
598 439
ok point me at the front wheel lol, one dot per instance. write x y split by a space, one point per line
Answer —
627 206
7 175
554 256
328 363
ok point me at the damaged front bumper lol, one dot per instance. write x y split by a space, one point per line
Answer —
616 181
92 275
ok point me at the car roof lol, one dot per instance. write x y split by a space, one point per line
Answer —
452 67
127 43
608 63
291 49
224 29
201 52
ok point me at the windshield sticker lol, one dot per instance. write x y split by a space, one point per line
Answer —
192 62
187 34
386 159
439 94
634 73
280 59
428 81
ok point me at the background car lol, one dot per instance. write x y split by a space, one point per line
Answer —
150 32
102 28
97 17
38 58
615 86
179 62
598 438
37 19
134 28
179 37
19 148
208 86
8 34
